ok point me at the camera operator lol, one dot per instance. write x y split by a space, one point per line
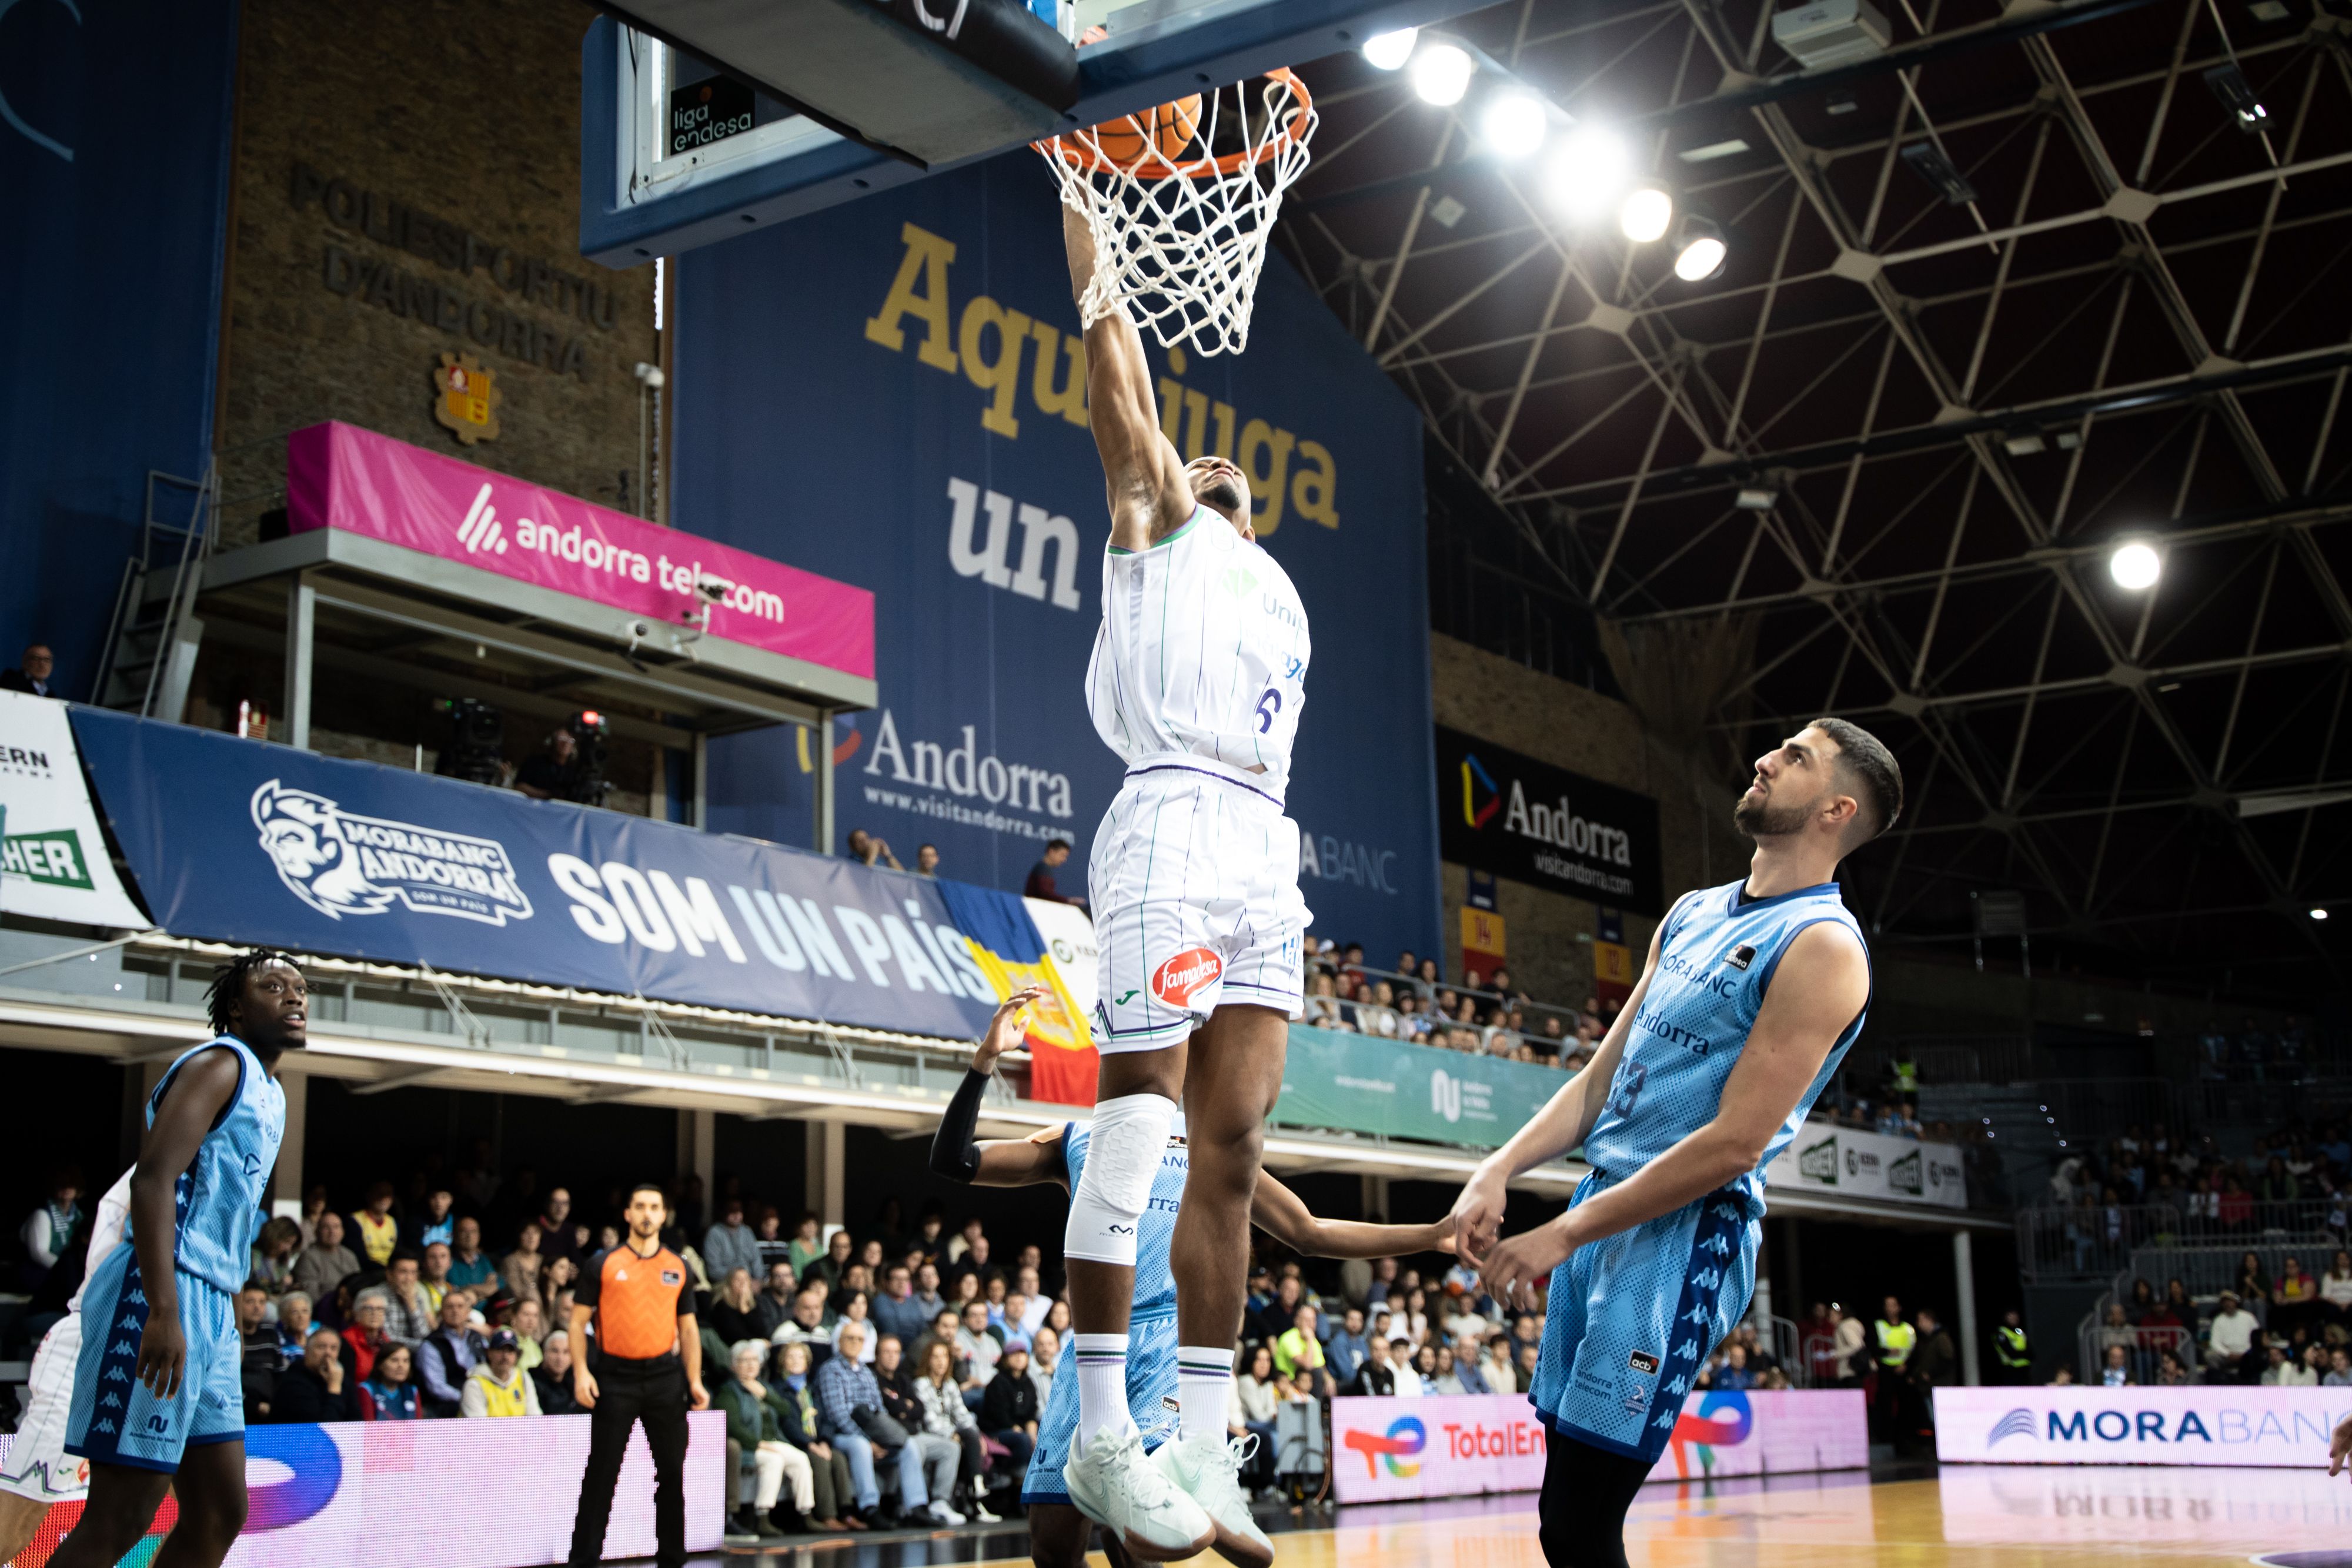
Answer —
556 772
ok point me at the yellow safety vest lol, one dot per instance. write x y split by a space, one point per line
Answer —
501 1400
2010 1345
1895 1341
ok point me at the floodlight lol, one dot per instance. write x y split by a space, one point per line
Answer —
2319 914
2135 566
1441 74
2229 84
1929 161
1389 51
1756 498
2023 441
1699 251
1645 215
1589 170
1514 124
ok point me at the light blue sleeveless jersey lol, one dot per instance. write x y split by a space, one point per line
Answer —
218 1197
1715 959
1155 1236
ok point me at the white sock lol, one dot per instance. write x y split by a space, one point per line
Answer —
1102 1387
1204 1379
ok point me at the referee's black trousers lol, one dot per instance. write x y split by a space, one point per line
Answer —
627 1392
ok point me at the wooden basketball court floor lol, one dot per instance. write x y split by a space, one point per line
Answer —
1973 1516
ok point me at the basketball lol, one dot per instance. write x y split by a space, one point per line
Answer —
1169 127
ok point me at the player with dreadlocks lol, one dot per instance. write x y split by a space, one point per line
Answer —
156 1398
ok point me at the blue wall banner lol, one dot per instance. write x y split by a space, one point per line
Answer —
240 841
114 142
892 395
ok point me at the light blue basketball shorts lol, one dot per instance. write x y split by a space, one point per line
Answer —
115 1419
1150 1399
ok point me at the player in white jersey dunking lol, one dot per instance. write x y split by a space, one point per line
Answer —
1196 682
156 1396
38 1473
1059 1535
1752 993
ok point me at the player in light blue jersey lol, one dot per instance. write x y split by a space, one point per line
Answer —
157 1402
1752 994
1059 1533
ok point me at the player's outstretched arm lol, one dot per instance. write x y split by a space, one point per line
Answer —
1000 1162
1143 478
1821 986
1558 1127
1284 1215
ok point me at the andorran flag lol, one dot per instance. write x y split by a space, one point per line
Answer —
1013 953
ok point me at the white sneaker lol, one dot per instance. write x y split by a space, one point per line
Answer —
979 1512
1209 1472
941 1513
1115 1484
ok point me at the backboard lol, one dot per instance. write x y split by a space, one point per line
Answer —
688 137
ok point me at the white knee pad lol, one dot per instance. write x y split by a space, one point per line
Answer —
1123 1151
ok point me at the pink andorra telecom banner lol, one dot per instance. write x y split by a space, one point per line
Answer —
341 477
439 1494
2081 1426
1458 1445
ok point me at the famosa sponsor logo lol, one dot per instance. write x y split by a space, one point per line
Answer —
340 862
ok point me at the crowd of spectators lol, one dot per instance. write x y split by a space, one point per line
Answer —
1485 1014
2285 1326
2159 1186
446 1301
2255 1054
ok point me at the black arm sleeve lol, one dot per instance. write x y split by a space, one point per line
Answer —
953 1153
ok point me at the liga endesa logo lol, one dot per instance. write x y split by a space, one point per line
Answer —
1183 977
1405 1437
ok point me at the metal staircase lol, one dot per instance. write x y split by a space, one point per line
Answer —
152 641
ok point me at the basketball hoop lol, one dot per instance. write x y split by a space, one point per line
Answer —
1181 202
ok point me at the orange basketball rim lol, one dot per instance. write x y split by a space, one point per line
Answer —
1082 149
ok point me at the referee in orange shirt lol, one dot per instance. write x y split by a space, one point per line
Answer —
647 1365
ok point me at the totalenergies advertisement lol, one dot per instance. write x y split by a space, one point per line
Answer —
1456 1445
500 1494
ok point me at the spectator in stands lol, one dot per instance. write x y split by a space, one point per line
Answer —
522 1269
448 1354
272 1266
1526 1359
1346 1350
833 1264
1298 1349
1323 1009
755 1442
2336 1292
2231 1335
316 1387
926 1295
528 1321
432 1275
469 1266
1424 1366
1255 1398
1469 1362
378 1231
559 1233
734 1314
853 1316
365 1335
33 675
807 1244
1041 882
389 1392
844 1389
435 1222
326 1262
926 859
556 1280
896 1311
945 1415
773 1305
801 1420
262 1360
1008 1409
865 848
808 1326
942 1456
2283 1371
554 1375
497 1385
979 1347
730 1245
2340 1369
2295 1295
1501 1374
1377 1375
2171 1370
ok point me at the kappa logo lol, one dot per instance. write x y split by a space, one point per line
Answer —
1186 975
340 862
1820 1163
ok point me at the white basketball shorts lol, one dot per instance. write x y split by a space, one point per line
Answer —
37 1466
1194 883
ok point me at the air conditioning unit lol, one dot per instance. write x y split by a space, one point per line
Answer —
1830 33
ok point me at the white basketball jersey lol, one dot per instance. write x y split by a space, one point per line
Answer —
1202 651
106 1227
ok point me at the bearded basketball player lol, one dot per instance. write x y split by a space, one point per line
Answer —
1752 993
1196 682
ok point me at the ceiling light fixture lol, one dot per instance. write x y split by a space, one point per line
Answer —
2135 566
1514 124
1756 498
1645 215
1931 165
1714 150
1441 74
1389 51
2229 84
2319 914
1699 251
2023 442
1589 170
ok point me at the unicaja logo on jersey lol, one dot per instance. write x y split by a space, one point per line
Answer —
1184 977
340 862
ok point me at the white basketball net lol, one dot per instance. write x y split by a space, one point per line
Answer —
1179 243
